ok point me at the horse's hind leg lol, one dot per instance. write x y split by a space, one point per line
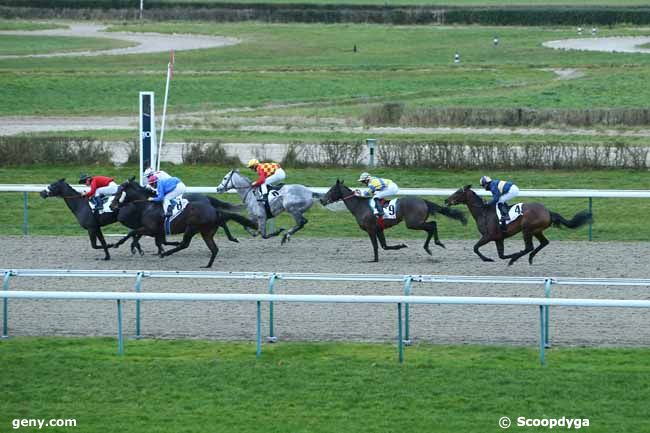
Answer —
501 249
208 238
528 241
431 227
542 243
300 223
382 241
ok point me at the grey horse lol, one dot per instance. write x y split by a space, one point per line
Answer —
295 199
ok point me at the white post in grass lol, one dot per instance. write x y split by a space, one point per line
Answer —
170 73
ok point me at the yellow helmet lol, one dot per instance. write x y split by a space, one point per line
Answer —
252 163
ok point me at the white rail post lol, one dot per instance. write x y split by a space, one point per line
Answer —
407 292
542 336
400 340
25 215
547 293
120 339
258 336
271 338
138 289
5 306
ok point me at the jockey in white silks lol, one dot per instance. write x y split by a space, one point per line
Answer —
378 188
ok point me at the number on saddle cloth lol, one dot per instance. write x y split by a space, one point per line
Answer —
514 212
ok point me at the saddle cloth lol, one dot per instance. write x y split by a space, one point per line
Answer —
390 208
514 212
179 205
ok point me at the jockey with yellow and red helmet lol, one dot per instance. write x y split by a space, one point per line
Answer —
268 173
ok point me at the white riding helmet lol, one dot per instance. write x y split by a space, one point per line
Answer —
149 171
252 163
364 177
485 180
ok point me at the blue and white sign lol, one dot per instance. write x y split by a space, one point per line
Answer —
148 149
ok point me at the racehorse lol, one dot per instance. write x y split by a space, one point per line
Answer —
130 214
86 218
413 210
534 219
295 199
198 217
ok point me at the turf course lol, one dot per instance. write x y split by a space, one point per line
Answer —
190 386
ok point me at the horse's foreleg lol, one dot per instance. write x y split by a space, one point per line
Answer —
262 224
94 235
373 239
384 245
124 239
542 243
300 223
501 249
484 240
187 238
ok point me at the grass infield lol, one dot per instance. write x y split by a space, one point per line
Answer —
190 386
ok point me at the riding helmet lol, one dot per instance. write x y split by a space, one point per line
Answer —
364 177
485 180
83 177
252 163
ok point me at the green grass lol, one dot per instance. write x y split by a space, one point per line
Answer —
279 63
616 219
27 45
27 25
191 386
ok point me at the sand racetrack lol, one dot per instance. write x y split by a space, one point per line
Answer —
236 321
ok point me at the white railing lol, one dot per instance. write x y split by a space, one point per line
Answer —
272 278
119 297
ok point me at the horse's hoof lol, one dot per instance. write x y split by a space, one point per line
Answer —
234 240
487 259
428 251
440 244
141 253
403 246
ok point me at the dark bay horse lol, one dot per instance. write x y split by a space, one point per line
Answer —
200 216
534 219
413 210
81 210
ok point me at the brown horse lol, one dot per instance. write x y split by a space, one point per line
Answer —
534 219
413 210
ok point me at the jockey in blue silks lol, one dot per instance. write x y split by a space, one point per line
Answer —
502 191
168 189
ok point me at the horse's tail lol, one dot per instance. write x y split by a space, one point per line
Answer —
224 205
449 212
579 219
242 220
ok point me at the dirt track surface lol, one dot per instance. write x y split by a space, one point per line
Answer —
145 42
236 321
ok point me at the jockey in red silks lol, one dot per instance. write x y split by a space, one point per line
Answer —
100 186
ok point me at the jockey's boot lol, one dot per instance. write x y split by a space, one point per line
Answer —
504 215
170 209
379 207
97 203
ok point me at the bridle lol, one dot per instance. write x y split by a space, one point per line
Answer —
229 181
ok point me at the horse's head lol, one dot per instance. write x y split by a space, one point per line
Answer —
129 191
233 180
459 196
57 189
335 193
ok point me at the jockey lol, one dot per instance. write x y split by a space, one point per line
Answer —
160 174
168 189
502 191
378 188
268 173
99 187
